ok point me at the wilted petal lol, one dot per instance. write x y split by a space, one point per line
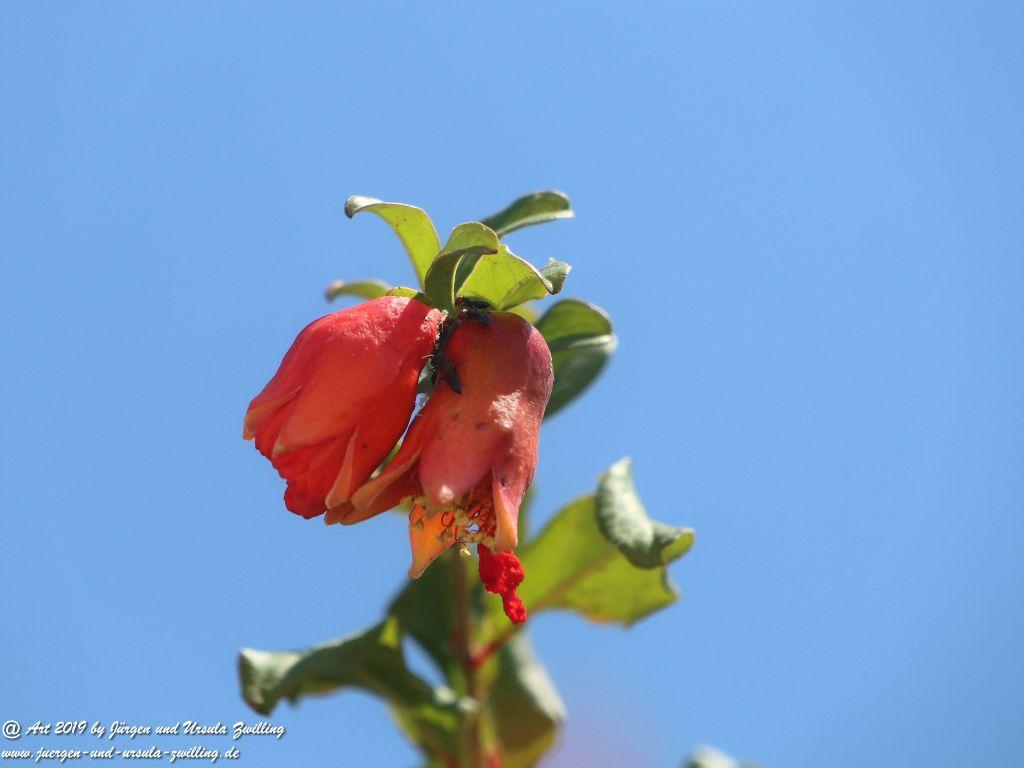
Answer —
511 477
428 538
341 399
461 449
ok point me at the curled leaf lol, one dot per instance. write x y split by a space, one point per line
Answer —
364 289
534 208
371 660
412 225
581 341
602 556
505 281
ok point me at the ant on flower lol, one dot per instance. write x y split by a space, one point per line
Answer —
474 310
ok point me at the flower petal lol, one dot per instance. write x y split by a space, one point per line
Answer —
310 472
261 412
460 448
341 399
337 514
381 493
367 368
426 540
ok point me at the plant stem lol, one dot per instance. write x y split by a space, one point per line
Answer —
472 747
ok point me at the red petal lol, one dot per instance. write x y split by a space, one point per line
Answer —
341 399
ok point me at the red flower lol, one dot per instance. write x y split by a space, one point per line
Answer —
468 458
341 399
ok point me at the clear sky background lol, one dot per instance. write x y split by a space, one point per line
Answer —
804 218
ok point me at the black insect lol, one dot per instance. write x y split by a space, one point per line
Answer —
475 310
441 366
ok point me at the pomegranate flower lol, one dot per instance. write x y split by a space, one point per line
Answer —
468 458
341 398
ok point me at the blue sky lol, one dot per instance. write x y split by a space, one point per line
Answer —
804 218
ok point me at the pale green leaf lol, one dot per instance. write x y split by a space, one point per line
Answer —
622 518
408 293
469 234
528 312
576 563
535 208
555 273
439 283
524 708
708 757
426 611
465 236
372 661
411 224
505 280
581 341
364 289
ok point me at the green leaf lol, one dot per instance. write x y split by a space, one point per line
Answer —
426 612
581 341
622 518
371 660
535 208
365 289
467 235
439 284
411 224
593 558
505 280
408 293
555 273
526 311
523 708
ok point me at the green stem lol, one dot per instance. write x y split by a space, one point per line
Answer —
472 744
